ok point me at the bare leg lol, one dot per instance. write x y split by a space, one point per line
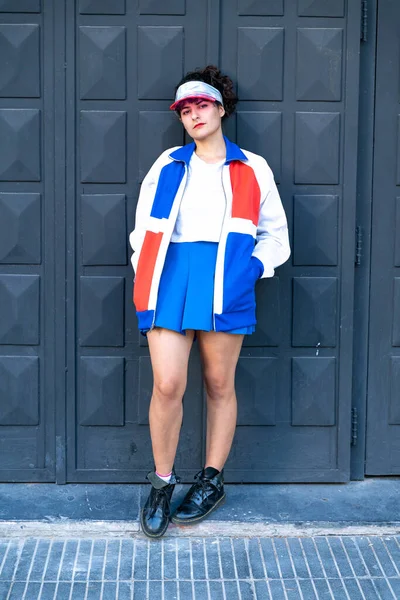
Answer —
169 352
220 352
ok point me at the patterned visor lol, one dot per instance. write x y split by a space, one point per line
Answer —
196 89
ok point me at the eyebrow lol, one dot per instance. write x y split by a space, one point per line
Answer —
198 101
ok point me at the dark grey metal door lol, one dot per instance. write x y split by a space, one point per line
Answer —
297 69
383 422
27 242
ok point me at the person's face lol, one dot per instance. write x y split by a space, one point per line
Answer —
201 118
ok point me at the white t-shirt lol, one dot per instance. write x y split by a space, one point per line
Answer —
203 204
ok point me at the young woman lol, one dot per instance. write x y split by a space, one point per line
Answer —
209 223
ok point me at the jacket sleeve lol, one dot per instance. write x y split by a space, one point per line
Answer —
272 242
144 206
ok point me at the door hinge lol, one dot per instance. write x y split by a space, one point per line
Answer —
359 240
364 20
354 426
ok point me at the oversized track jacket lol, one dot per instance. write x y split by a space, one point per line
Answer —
254 225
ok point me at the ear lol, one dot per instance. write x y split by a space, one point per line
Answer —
221 110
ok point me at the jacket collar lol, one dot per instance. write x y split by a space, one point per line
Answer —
233 152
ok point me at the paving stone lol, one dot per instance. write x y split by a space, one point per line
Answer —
200 591
231 590
369 589
212 554
323 567
17 590
125 557
385 560
109 590
183 550
365 548
338 589
170 564
384 588
284 563
325 555
262 590
353 589
170 590
307 589
299 563
197 548
291 589
269 557
125 590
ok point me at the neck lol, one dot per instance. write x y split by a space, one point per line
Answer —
212 148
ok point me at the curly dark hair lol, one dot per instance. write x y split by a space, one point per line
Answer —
213 76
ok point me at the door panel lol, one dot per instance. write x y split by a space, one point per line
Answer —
297 76
383 422
126 67
27 447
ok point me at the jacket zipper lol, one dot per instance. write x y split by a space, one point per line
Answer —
220 235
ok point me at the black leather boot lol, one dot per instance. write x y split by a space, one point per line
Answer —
155 514
203 497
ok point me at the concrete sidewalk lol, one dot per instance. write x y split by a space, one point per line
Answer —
339 567
298 541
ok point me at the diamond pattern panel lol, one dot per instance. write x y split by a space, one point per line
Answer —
19 301
102 391
16 6
256 400
163 129
394 401
268 331
317 147
104 229
20 228
103 146
313 391
102 311
102 63
314 311
262 132
319 64
315 230
262 47
19 61
397 234
160 7
321 8
160 61
396 313
19 390
102 7
260 7
20 144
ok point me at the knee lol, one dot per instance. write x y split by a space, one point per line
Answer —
169 389
218 385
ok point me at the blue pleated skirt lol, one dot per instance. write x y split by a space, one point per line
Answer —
186 291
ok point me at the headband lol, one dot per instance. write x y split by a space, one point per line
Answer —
196 89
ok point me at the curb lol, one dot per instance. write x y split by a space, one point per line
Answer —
66 528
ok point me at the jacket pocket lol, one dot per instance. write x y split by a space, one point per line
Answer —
240 273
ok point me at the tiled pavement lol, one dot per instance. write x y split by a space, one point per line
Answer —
223 568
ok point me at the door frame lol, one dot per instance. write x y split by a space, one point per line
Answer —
362 277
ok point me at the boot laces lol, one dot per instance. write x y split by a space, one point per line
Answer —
203 484
157 499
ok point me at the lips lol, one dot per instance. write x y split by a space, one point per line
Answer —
198 125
